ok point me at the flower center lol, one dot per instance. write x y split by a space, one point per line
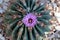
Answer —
30 20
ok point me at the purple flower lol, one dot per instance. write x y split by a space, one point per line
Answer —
30 20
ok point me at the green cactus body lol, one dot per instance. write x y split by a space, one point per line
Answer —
25 20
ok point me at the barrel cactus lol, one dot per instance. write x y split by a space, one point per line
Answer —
26 20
